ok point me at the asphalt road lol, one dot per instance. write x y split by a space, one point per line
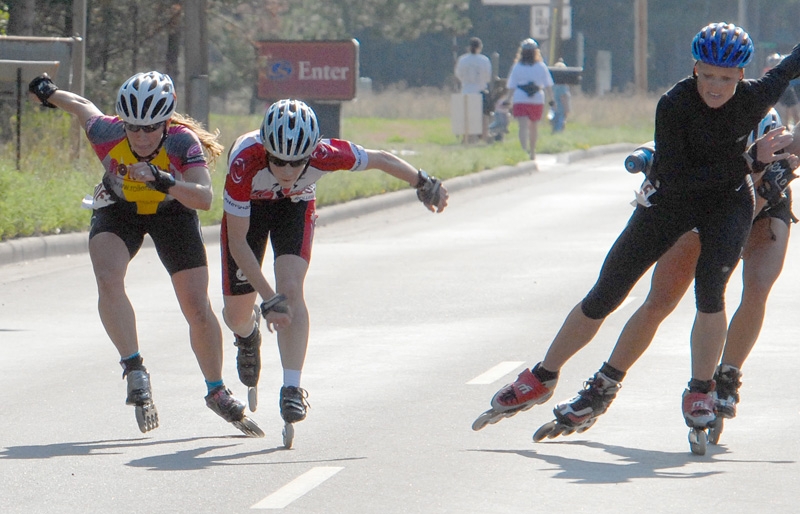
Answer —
417 319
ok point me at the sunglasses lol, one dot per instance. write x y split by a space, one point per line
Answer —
148 129
280 162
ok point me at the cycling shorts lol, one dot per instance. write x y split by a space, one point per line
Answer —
175 230
290 226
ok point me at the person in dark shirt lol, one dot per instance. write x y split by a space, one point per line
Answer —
702 177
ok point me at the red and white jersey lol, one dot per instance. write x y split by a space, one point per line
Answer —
249 177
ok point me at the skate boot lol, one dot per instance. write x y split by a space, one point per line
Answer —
581 412
222 402
726 395
728 381
293 404
140 396
698 412
520 395
248 361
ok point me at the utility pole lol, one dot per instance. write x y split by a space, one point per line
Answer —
640 45
196 60
78 68
556 19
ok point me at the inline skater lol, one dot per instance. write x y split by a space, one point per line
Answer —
701 170
156 176
763 258
270 194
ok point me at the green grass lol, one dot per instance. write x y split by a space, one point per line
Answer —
44 196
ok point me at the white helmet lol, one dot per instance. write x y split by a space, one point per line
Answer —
290 130
146 98
771 121
774 60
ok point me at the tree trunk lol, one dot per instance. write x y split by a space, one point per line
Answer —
21 17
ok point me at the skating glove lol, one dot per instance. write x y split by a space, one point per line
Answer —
277 303
428 189
777 176
163 180
43 87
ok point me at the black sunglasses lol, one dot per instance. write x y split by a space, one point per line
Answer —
280 162
148 129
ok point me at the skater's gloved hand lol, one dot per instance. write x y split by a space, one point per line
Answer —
43 87
776 177
765 149
276 312
431 192
152 176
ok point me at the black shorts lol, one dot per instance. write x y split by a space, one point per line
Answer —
781 211
175 230
290 226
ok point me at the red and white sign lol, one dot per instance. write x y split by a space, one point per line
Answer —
309 70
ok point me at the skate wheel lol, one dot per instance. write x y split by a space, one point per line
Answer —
248 427
698 440
252 398
715 430
587 426
288 435
545 431
484 419
146 417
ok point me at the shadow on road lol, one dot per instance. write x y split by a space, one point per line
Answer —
634 463
188 459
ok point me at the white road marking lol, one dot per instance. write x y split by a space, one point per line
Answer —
496 373
297 487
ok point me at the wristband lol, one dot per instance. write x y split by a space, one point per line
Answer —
275 304
163 181
423 179
751 156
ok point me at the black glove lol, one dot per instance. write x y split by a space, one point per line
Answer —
428 189
776 177
163 180
275 304
530 88
43 87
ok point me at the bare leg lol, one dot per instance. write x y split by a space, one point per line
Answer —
672 276
110 259
205 334
575 333
763 262
708 338
290 274
522 121
534 136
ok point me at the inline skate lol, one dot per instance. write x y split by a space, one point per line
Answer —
698 412
580 413
515 397
293 403
140 396
726 395
221 401
248 360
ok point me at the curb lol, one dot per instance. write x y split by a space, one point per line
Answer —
42 247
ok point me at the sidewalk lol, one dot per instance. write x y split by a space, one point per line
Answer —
31 248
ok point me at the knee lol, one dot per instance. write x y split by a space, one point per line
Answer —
595 309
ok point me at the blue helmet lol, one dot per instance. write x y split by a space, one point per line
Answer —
723 44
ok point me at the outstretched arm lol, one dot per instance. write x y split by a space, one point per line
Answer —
43 90
430 190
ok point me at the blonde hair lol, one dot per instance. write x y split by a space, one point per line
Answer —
213 148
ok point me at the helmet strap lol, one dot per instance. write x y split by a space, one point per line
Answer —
155 152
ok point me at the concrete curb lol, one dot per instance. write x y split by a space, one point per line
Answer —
42 247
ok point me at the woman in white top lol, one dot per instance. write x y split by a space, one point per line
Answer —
529 83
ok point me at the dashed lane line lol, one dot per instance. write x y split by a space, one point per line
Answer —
496 373
297 487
